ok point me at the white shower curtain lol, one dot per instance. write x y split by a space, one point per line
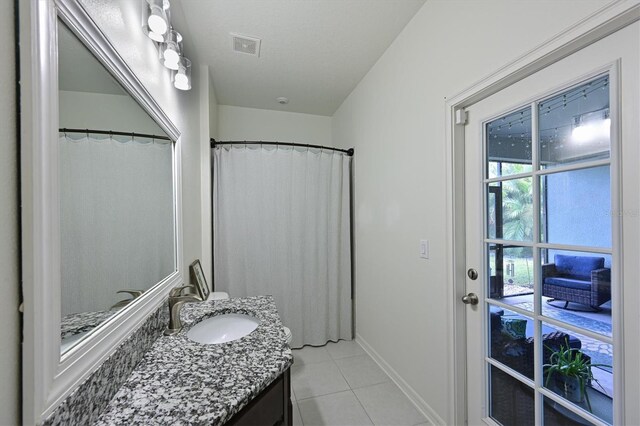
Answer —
282 227
115 194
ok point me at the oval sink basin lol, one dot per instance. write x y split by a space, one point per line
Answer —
223 328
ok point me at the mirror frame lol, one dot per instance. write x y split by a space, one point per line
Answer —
47 377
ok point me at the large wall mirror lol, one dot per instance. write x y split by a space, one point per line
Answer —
101 197
116 194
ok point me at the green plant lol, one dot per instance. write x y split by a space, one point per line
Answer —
568 364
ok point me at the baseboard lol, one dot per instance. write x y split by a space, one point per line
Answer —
420 404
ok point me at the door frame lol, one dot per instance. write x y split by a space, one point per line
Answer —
597 26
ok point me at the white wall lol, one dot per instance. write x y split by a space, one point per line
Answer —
251 124
9 231
101 111
395 119
213 112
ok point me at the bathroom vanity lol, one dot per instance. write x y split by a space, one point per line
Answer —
241 382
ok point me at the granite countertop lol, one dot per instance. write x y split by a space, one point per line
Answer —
181 382
82 322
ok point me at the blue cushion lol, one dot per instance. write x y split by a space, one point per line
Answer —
569 283
578 267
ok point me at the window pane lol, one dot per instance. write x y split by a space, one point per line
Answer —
509 144
494 210
576 207
556 415
511 275
510 210
512 402
512 340
592 387
576 287
574 126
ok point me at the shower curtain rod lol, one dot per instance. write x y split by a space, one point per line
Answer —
114 133
349 151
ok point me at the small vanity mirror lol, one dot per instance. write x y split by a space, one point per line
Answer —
117 227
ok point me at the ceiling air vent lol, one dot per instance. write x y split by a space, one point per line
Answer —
245 44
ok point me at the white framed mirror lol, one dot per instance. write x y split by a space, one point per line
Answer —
90 179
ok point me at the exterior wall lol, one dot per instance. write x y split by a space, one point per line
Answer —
581 198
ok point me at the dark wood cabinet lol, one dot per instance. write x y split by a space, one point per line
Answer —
270 408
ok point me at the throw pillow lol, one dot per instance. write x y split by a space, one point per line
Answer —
514 328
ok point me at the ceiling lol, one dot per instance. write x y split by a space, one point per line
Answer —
313 52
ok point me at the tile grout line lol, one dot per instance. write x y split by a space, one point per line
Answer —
372 384
351 389
299 414
364 409
351 356
324 394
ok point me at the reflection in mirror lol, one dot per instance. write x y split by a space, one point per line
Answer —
116 194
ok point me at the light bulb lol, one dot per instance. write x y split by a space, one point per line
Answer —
157 20
581 134
155 36
595 130
182 78
171 65
171 56
181 82
170 50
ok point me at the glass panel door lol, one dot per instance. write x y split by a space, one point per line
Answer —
548 251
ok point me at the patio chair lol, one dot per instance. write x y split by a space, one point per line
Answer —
577 279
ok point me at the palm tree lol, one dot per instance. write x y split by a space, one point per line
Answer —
517 210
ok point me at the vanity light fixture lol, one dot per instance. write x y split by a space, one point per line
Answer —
156 24
182 77
158 21
170 50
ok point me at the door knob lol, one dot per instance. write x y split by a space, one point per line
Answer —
472 273
470 299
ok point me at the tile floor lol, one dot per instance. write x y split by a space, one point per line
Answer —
339 384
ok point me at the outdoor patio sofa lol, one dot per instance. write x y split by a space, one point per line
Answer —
578 279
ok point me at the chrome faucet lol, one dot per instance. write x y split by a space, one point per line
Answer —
176 301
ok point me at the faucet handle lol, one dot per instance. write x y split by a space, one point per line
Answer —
134 293
177 291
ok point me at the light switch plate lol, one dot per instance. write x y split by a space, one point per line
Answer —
424 249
